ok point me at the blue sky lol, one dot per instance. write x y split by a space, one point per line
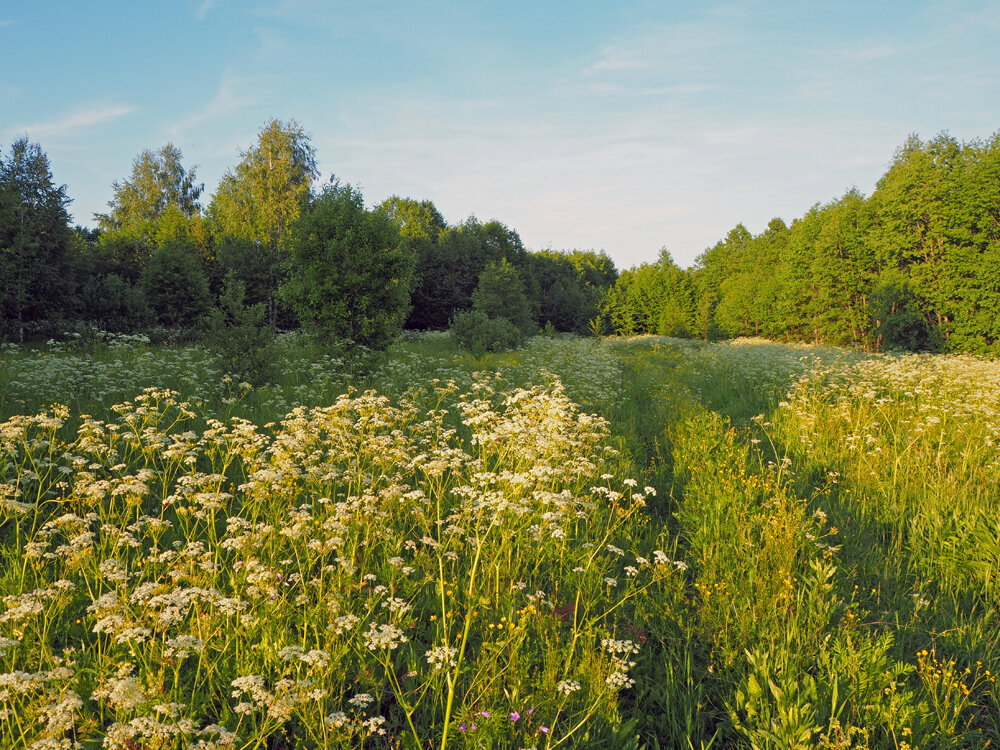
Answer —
625 126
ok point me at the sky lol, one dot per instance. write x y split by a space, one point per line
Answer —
625 126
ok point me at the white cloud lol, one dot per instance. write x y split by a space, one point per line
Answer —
73 121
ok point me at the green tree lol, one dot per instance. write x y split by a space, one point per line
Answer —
158 201
826 272
596 268
914 228
257 205
566 300
478 333
500 294
651 298
38 254
415 219
175 285
158 184
448 270
112 303
444 279
351 276
239 336
974 269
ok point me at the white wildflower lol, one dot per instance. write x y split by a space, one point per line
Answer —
442 657
383 636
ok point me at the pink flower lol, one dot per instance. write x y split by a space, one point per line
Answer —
514 716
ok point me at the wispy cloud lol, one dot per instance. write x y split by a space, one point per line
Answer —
74 121
878 51
5 22
681 90
654 46
231 96
205 8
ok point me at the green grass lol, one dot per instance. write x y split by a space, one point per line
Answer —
645 543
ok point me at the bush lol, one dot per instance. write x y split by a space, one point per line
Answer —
500 294
475 331
239 336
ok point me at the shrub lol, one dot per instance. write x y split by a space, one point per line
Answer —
475 331
500 294
239 335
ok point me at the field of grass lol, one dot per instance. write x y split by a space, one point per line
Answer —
646 543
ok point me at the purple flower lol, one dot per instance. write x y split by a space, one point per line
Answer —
514 716
543 730
484 713
462 727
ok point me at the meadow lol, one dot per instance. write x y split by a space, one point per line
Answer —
621 543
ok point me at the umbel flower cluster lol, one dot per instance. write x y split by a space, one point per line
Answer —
371 568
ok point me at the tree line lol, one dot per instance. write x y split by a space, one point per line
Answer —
916 265
274 246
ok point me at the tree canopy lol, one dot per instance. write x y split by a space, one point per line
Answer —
159 183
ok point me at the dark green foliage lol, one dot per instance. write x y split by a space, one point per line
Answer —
239 335
448 270
112 303
444 279
110 294
351 276
570 287
175 286
475 331
38 250
896 319
500 294
261 269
